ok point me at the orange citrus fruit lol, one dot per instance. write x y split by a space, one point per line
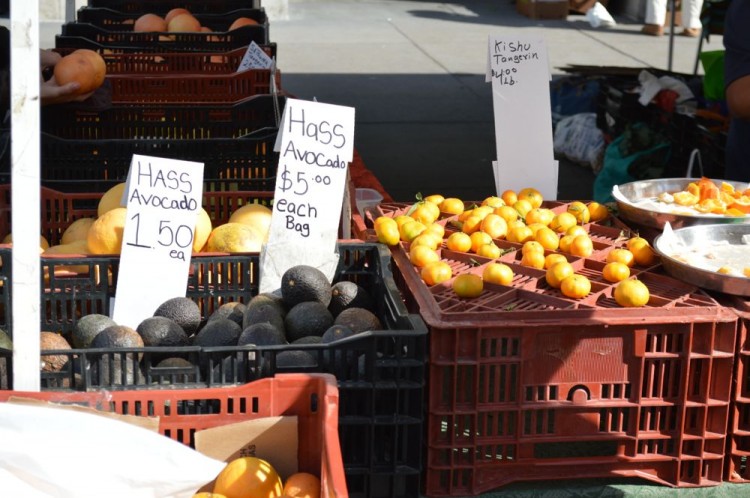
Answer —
302 485
410 230
562 222
436 272
523 207
468 285
386 230
422 255
643 253
459 242
436 199
494 226
436 229
490 251
631 293
582 246
519 234
493 201
248 477
547 238
533 259
479 239
576 230
575 286
597 212
509 197
552 258
532 195
452 205
498 273
508 213
558 272
539 215
619 255
580 211
471 224
532 246
427 239
615 271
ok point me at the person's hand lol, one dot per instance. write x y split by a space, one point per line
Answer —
49 90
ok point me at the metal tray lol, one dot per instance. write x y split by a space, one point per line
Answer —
634 192
697 236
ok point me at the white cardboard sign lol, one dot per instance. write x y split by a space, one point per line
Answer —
315 145
518 68
254 58
163 199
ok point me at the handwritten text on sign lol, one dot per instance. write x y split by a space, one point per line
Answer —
506 57
163 199
315 147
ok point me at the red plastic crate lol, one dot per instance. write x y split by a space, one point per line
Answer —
738 449
312 398
527 384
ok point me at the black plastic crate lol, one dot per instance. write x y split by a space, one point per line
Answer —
114 20
70 43
161 7
163 42
380 373
164 121
94 165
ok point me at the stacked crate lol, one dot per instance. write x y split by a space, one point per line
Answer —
178 95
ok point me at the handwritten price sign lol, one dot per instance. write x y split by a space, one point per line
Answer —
163 198
315 146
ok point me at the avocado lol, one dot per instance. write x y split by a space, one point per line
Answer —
308 339
218 332
346 294
88 327
264 312
358 320
174 370
336 332
270 299
162 331
307 318
183 311
295 359
107 369
234 311
303 283
48 341
262 334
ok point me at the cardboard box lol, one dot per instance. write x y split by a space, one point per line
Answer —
539 9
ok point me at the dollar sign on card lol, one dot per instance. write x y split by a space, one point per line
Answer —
286 183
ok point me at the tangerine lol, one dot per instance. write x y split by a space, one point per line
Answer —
420 256
498 273
558 272
533 259
580 211
468 285
532 195
553 258
575 286
519 234
619 255
479 239
490 251
452 205
597 212
615 271
149 23
508 213
509 197
436 272
302 485
494 226
547 238
248 477
631 293
582 246
386 230
562 222
459 241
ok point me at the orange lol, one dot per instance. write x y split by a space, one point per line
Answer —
403 219
436 199
576 230
643 253
575 286
386 229
518 223
105 234
248 477
539 215
97 61
459 242
410 230
482 211
77 67
519 234
533 259
635 241
422 255
615 271
479 239
174 13
242 21
631 293
467 212
498 273
532 195
427 239
471 224
580 211
452 205
532 246
436 229
582 246
468 285
302 485
425 212
233 238
553 258
558 272
493 201
619 255
436 272
149 22
565 242
535 227
183 23
508 213
562 222
597 212
494 226
523 207
490 251
509 197
547 238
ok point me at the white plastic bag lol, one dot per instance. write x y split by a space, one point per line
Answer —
599 17
578 138
48 452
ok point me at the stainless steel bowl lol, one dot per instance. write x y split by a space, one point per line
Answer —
698 236
633 192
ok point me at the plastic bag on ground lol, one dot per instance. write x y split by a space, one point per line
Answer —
599 17
578 138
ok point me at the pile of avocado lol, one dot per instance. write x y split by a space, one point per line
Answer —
306 309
